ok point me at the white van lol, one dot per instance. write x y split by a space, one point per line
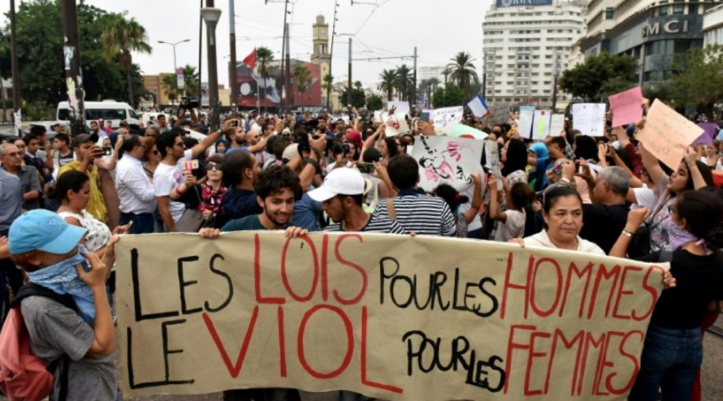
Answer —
107 110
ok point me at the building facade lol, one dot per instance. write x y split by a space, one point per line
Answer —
431 72
713 27
652 31
526 43
321 54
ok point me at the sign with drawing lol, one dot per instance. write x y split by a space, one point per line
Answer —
447 160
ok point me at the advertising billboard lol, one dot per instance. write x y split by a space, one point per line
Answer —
252 88
523 3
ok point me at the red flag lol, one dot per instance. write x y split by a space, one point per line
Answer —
250 60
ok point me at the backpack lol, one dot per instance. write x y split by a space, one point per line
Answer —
23 375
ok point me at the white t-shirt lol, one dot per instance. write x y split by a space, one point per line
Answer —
514 227
167 178
644 197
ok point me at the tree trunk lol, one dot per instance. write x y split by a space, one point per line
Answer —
130 89
4 100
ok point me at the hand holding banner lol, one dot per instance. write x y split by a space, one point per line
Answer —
667 134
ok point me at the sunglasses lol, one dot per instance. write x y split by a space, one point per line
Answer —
212 166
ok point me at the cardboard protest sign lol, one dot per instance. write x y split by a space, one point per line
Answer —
391 317
500 113
541 124
667 134
446 160
557 124
524 126
589 118
709 131
465 131
402 107
492 160
445 119
627 107
395 124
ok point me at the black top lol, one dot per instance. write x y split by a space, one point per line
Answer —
603 224
699 281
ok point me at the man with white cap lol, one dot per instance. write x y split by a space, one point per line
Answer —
342 196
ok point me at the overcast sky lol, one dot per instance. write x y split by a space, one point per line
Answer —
381 28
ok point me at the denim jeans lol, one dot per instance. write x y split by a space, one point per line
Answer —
142 223
670 360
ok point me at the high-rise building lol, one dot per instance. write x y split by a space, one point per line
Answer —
431 72
527 42
652 31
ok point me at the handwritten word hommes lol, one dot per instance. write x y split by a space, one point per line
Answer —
389 316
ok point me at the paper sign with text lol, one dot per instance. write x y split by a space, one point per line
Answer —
627 107
465 131
446 160
445 119
541 124
500 113
557 124
589 118
667 134
391 317
492 160
524 127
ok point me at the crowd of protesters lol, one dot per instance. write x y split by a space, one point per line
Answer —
304 173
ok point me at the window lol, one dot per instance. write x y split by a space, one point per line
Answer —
678 9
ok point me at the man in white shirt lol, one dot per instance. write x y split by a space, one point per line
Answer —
135 190
169 173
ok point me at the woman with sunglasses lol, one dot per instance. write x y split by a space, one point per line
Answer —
207 196
151 158
673 350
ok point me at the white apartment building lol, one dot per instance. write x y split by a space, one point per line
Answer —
525 43
713 27
431 72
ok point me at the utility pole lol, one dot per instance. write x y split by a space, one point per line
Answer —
285 60
211 16
200 52
15 71
414 80
289 85
554 83
232 76
348 91
73 70
331 56
484 85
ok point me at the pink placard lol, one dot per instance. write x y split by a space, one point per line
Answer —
627 106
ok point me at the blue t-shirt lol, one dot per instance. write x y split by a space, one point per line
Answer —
240 203
306 213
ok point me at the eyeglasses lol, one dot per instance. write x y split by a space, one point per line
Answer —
214 166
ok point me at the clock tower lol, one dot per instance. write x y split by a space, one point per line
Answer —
321 54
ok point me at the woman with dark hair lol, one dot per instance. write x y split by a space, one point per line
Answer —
514 161
673 351
152 157
562 211
388 148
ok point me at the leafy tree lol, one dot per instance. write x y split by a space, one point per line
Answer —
168 82
121 37
698 79
375 102
450 96
327 84
264 58
190 80
404 81
40 57
463 72
358 97
599 75
388 84
302 79
447 71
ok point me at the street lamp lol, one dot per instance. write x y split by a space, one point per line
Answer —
175 67
211 16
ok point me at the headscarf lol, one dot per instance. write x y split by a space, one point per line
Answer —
543 163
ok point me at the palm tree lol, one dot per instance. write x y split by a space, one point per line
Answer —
168 81
389 79
358 85
190 80
433 83
264 58
463 71
404 80
446 72
302 81
119 39
327 84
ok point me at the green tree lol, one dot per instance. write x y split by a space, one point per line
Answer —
463 72
190 80
446 72
302 80
264 60
358 97
599 75
119 38
404 82
698 79
40 57
327 84
388 84
168 82
451 96
374 102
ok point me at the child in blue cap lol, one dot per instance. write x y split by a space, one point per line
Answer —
51 253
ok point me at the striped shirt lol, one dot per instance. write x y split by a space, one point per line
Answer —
376 224
421 213
11 199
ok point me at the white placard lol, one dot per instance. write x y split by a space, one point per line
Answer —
446 160
395 124
524 127
445 119
589 118
541 124
557 124
402 107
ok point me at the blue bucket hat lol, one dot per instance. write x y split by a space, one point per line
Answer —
43 230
